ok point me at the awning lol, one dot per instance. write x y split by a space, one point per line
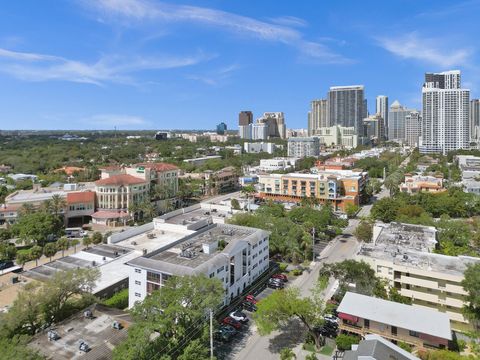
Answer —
348 317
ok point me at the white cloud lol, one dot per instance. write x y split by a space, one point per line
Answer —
41 67
162 13
216 77
429 50
289 21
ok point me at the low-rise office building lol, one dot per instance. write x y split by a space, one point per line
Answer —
420 327
277 164
258 147
414 184
221 181
338 136
235 255
336 187
403 255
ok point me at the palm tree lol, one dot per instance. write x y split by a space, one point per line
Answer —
50 250
247 191
63 244
26 209
58 204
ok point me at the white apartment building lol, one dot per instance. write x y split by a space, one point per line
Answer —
277 164
303 147
403 255
235 255
446 107
259 147
259 131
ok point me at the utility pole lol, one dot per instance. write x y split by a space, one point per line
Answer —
313 244
211 334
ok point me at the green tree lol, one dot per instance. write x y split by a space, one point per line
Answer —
22 258
385 209
235 204
364 231
74 243
311 356
16 348
282 306
175 315
471 284
37 227
62 245
26 209
351 210
50 250
87 241
7 251
287 354
36 253
195 350
345 342
57 205
97 238
248 191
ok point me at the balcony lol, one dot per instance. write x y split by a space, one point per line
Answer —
363 331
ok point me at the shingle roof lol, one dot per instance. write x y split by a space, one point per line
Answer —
159 166
122 179
422 320
80 197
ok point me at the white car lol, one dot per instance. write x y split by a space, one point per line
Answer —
331 318
239 316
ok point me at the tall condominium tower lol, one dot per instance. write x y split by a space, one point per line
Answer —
245 120
346 106
275 123
446 108
318 116
396 122
381 107
475 120
413 128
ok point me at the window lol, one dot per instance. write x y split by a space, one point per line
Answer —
413 333
138 295
220 269
153 277
212 275
138 282
138 271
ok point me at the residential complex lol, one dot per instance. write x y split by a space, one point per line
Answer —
258 147
338 136
446 120
373 129
303 147
403 255
381 108
414 184
335 187
470 167
318 116
221 181
396 122
235 255
475 120
245 120
347 106
375 347
420 327
413 128
277 164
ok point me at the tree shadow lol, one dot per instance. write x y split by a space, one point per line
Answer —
290 336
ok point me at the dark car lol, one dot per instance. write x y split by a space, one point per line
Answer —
225 333
247 305
232 322
275 284
282 277
326 331
6 264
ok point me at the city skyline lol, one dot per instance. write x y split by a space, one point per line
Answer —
160 65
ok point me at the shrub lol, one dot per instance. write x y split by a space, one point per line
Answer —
282 267
118 300
345 342
297 272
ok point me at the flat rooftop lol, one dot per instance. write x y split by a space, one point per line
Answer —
191 253
97 333
415 318
412 246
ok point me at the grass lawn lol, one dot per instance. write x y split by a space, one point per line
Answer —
24 251
326 350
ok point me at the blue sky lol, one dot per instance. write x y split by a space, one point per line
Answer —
146 64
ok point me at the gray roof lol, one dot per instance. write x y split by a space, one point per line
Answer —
419 319
375 347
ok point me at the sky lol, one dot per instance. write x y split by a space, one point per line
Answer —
147 64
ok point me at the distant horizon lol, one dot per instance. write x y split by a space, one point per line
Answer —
149 64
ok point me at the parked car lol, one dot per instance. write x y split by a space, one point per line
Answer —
52 335
282 277
6 264
251 298
331 318
326 331
275 284
239 316
247 305
83 346
232 322
225 333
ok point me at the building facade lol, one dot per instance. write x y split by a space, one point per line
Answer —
413 184
235 255
318 116
245 120
381 107
338 136
396 122
475 120
303 147
259 147
446 118
221 128
374 129
346 106
413 128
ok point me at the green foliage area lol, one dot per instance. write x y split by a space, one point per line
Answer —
287 354
119 300
374 166
36 227
291 231
405 346
15 348
235 204
364 231
443 355
282 306
171 323
344 342
40 304
471 284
